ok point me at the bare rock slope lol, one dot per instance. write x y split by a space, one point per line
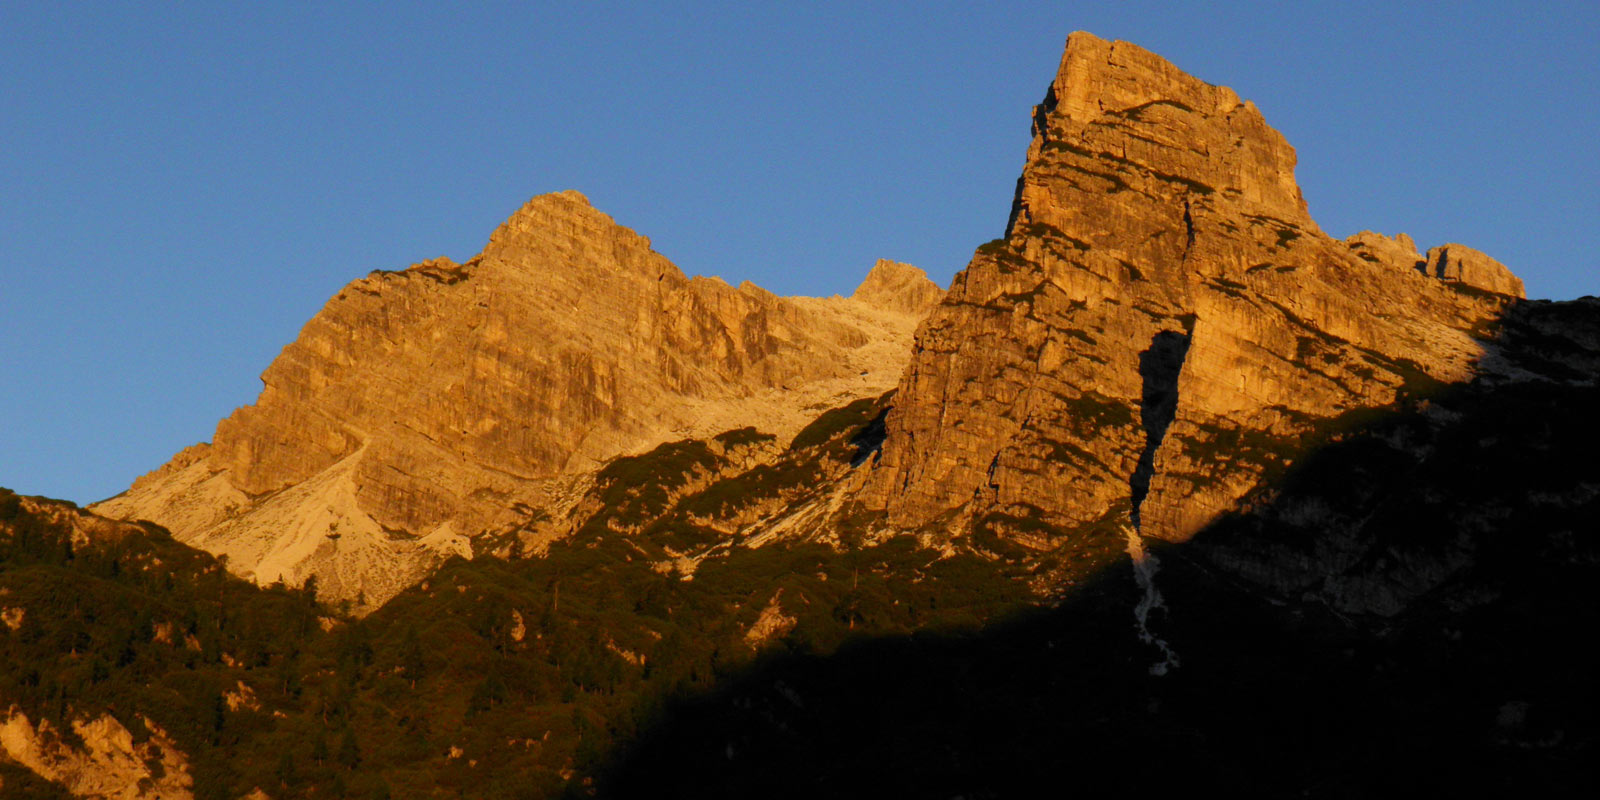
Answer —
106 762
424 408
1163 323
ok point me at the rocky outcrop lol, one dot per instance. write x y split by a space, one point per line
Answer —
424 407
1399 253
1457 262
106 762
1451 262
771 624
1163 323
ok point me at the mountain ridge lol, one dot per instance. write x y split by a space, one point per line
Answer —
420 409
1168 476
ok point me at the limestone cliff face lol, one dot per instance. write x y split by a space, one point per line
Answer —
423 407
1163 319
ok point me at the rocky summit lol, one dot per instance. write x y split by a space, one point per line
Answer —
1163 322
425 409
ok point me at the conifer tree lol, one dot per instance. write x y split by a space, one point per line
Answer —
412 665
349 755
285 772
319 749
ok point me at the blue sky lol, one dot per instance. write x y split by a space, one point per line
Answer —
183 185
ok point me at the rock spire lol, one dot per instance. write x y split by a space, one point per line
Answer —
1162 321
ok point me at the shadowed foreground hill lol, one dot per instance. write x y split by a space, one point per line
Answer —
493 678
1405 613
1409 614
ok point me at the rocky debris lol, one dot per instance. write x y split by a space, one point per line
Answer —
1188 347
186 457
632 657
430 405
1159 262
109 764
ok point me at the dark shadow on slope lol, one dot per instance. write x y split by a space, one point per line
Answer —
1159 367
1408 613
869 442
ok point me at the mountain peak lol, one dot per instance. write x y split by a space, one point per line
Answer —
1161 289
562 230
902 288
1161 130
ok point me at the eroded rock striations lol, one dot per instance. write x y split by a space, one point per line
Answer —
423 408
1163 322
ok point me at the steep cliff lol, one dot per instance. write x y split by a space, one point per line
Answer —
422 408
1163 326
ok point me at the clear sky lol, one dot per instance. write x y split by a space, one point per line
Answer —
183 185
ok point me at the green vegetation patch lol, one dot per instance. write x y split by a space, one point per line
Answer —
641 486
766 481
744 437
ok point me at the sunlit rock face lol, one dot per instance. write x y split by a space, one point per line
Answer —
1163 321
101 760
422 408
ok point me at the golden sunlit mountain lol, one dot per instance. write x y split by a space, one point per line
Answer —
1170 492
423 411
1163 327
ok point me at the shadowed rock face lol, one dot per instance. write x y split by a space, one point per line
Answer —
423 407
1154 205
1159 367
